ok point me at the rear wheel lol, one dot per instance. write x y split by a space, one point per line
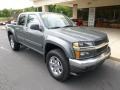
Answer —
57 64
14 45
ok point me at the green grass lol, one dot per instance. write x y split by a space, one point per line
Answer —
4 18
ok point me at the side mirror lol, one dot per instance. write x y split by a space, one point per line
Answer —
36 27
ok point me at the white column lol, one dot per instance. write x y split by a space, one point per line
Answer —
45 8
75 7
91 17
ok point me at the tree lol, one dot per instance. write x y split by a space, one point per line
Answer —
4 13
30 9
61 9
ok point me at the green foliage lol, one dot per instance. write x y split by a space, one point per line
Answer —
30 9
4 18
5 13
10 12
83 13
61 9
52 8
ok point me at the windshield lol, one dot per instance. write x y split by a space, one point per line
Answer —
53 21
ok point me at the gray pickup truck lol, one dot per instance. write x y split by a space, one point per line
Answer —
66 48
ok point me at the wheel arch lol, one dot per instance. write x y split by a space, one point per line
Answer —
50 46
11 31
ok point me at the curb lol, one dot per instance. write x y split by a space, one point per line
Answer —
115 59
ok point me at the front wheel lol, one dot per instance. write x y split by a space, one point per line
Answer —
57 64
14 45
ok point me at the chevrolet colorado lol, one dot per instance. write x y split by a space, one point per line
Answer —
65 47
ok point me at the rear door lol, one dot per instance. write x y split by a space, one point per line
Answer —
20 28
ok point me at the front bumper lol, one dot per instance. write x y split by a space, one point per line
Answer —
78 65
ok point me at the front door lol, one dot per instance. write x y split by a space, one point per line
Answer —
35 37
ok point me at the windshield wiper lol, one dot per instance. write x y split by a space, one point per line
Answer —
70 26
54 27
62 27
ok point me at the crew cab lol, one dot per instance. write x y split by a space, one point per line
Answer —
66 48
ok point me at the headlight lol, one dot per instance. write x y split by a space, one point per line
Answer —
85 44
76 48
78 53
78 45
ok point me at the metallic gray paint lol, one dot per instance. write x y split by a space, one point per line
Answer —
61 37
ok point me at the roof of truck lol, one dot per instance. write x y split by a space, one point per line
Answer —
36 12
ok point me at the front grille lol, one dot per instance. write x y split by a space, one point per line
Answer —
101 46
96 52
101 50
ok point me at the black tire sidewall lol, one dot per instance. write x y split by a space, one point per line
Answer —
16 45
59 54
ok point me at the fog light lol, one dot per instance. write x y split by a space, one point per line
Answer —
84 53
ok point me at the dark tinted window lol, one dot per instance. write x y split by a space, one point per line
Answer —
21 20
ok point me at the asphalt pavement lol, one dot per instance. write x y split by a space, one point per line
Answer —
26 70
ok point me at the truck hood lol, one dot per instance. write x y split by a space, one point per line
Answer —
73 34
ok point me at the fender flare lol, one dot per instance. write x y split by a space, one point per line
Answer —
64 45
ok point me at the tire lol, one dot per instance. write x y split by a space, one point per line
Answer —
60 71
14 45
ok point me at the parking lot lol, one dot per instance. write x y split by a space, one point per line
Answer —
26 70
